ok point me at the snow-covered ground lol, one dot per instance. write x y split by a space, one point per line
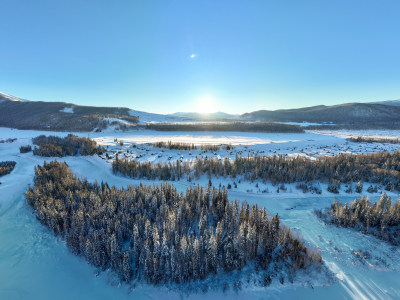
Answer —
34 264
309 144
145 117
68 110
305 124
345 133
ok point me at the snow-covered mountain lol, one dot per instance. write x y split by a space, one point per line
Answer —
206 116
145 117
61 116
4 96
349 113
388 102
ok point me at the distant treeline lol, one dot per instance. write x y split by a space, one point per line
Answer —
382 219
232 126
379 167
71 145
366 139
188 146
6 167
362 125
161 235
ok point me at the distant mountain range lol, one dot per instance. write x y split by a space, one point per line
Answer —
350 113
205 116
62 116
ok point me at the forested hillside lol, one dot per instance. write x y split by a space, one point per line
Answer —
161 236
58 116
359 114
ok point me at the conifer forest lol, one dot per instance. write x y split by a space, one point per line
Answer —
160 235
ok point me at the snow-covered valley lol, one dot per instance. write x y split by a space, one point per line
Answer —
35 264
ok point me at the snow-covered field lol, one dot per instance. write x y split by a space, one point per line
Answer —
34 264
309 144
344 133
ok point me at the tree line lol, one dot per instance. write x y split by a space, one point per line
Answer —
71 145
367 139
175 146
379 167
160 235
6 167
381 219
190 146
227 126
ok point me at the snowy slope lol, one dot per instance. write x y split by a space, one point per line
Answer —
68 110
10 97
156 118
389 102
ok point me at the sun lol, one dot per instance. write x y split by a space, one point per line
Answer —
205 105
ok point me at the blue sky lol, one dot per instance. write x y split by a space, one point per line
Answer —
167 56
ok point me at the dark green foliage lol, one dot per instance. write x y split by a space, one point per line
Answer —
160 235
381 219
25 149
71 145
6 167
227 126
378 167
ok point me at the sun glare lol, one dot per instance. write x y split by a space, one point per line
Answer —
206 105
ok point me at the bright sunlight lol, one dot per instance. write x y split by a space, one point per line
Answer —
205 105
